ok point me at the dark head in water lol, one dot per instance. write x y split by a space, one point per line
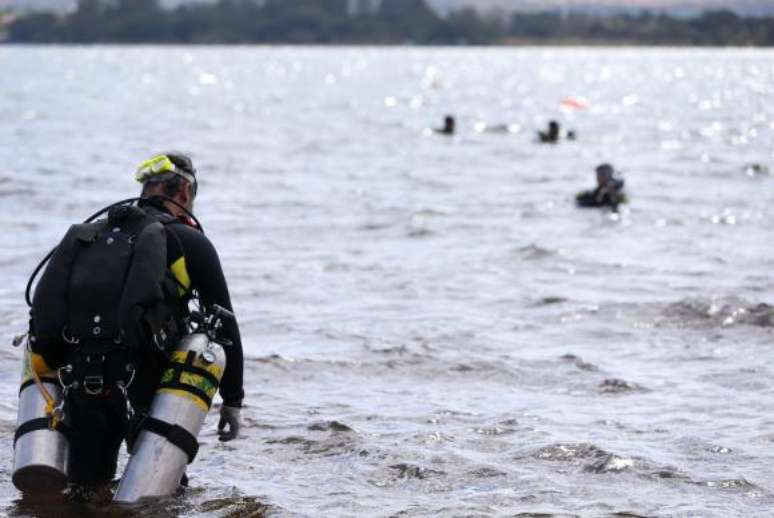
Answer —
552 135
449 126
172 175
608 193
605 174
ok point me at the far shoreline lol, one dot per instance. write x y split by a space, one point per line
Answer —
520 44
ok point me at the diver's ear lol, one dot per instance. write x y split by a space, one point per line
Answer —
185 196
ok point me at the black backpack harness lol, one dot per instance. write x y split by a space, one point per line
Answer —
105 299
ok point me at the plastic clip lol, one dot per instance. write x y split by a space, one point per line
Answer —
129 409
57 416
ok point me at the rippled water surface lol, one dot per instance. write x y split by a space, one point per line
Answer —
431 327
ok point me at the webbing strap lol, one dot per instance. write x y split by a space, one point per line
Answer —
175 434
196 391
176 384
41 423
204 373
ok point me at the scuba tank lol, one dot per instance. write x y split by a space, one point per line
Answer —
167 439
41 447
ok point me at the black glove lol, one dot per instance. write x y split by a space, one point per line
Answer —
229 415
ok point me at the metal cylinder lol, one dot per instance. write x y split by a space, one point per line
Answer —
156 465
40 455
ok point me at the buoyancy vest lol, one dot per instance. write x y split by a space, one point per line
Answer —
107 285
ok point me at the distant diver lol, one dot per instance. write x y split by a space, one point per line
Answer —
449 126
554 134
609 192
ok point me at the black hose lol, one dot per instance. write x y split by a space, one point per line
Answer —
90 219
35 274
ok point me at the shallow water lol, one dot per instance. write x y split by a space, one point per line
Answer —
431 328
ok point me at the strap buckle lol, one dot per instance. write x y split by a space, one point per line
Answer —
93 385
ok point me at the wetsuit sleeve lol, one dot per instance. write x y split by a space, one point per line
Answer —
207 278
587 199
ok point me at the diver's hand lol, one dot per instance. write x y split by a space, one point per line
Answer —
229 415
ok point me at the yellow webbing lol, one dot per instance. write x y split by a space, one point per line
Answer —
35 362
180 271
191 379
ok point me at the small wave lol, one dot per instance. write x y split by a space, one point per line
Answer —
755 169
408 471
486 472
733 484
494 431
610 464
431 212
569 451
720 312
330 426
340 440
619 386
419 233
236 507
534 252
405 472
579 363
327 447
17 192
549 301
720 450
371 227
591 458
666 473
397 350
186 503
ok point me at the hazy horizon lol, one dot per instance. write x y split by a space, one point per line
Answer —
742 6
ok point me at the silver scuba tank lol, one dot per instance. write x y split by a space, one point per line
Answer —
40 452
167 441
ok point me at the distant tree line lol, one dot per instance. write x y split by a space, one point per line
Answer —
394 22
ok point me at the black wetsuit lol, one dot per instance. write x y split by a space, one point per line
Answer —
610 197
100 423
206 274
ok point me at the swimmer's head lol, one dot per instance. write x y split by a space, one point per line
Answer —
553 129
605 173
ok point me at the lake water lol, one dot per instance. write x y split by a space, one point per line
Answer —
431 327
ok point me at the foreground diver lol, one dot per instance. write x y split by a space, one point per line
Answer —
111 328
609 192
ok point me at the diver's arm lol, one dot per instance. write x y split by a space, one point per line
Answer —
207 278
587 199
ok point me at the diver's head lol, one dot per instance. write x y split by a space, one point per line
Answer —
605 174
449 123
172 175
553 129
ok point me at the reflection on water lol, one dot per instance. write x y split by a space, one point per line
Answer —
431 326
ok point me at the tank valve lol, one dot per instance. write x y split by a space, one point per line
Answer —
208 357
